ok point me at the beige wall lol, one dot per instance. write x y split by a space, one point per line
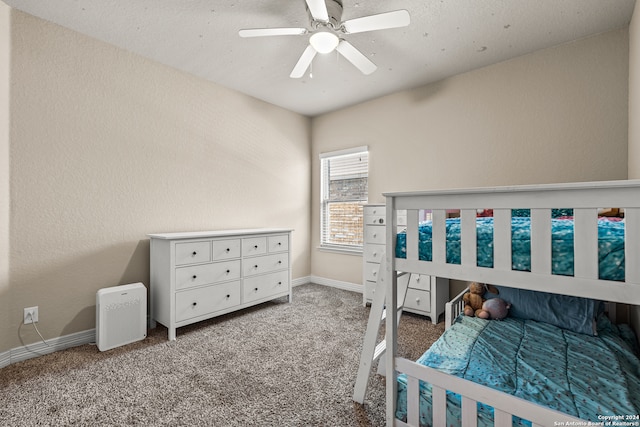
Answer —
107 146
5 56
634 118
556 115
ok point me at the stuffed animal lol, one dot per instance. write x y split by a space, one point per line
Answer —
497 308
474 300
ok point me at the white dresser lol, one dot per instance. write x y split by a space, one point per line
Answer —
199 275
426 295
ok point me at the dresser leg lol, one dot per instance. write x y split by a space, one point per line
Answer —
172 334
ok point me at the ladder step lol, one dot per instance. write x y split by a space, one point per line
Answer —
379 351
384 312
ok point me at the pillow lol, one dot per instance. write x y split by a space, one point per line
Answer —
573 313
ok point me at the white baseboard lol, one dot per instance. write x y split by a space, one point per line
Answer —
347 286
301 281
37 349
5 359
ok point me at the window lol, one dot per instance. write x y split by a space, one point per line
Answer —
343 188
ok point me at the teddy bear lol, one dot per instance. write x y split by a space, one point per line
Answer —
474 299
477 305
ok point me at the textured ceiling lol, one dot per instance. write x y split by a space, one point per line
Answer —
444 38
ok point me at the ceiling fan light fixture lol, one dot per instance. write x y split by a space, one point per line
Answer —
324 41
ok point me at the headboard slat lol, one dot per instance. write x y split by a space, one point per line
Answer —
585 243
632 246
502 239
468 237
439 236
541 241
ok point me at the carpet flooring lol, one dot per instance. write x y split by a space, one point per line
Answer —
276 364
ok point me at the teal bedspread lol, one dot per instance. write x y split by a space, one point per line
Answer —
610 245
580 375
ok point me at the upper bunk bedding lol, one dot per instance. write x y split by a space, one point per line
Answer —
581 375
611 246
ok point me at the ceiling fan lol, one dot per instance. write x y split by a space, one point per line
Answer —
327 29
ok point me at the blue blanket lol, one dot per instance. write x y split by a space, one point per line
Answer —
610 245
580 375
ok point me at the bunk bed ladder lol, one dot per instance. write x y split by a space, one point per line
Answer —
370 350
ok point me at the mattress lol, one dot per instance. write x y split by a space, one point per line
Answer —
584 376
610 245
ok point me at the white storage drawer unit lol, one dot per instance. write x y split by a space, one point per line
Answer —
426 295
199 275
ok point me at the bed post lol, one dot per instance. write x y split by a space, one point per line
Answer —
391 307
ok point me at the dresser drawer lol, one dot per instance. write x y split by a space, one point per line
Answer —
375 219
418 300
207 273
369 289
373 253
265 264
202 301
259 287
371 271
420 281
375 211
226 249
375 234
278 243
254 246
193 252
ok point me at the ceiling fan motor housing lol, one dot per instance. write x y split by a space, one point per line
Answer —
334 10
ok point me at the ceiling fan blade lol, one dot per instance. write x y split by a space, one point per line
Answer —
261 32
318 9
382 21
356 57
303 63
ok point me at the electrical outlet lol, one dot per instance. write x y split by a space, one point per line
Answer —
30 315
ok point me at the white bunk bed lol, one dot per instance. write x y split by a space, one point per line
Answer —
584 198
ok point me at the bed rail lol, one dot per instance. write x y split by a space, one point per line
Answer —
584 198
505 405
453 309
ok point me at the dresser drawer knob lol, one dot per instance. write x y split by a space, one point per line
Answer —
228 249
381 221
279 283
256 246
279 262
279 243
255 266
256 289
195 303
228 271
194 277
228 296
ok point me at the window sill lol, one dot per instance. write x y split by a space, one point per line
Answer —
339 250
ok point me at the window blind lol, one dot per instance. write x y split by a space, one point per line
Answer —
344 192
